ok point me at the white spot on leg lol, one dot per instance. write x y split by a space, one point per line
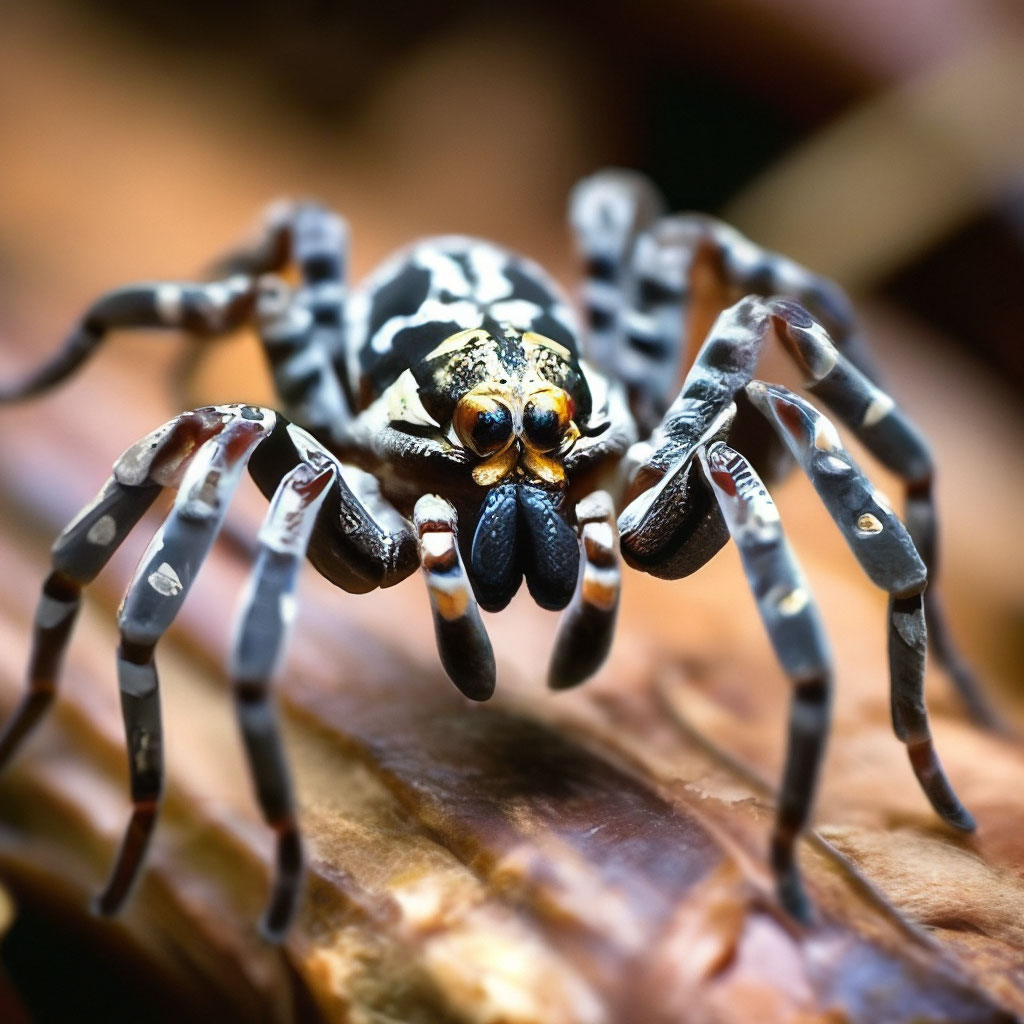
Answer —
826 438
103 531
880 407
168 303
165 581
836 465
287 608
793 602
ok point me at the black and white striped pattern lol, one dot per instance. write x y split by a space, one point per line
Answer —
439 287
794 627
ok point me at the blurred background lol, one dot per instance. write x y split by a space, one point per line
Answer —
879 143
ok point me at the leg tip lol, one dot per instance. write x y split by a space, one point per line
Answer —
793 897
284 897
107 904
274 930
281 910
960 818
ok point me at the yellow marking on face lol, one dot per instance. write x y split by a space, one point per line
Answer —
473 410
497 467
517 421
540 465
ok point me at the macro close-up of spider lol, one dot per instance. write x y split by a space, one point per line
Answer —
451 414
509 517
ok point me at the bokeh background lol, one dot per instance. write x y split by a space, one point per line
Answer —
880 143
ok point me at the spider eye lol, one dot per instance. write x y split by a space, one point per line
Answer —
546 418
483 424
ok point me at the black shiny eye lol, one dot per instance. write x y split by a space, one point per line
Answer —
483 423
542 426
491 428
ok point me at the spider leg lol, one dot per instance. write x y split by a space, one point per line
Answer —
702 254
654 283
795 629
607 211
79 553
585 632
722 368
267 612
303 333
887 432
461 638
887 554
151 602
671 525
203 309
86 545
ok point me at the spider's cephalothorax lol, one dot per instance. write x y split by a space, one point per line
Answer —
441 417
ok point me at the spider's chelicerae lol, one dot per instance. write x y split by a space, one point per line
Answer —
442 416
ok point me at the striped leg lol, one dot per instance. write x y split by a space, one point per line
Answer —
730 265
607 211
654 286
794 627
887 554
725 363
267 612
304 332
80 552
585 632
203 309
889 435
664 496
461 638
154 597
86 545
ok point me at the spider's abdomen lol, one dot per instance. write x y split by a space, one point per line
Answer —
435 289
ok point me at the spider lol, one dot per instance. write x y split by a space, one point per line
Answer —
441 416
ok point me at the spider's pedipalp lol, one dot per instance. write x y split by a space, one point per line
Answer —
585 632
203 309
462 641
887 554
266 614
794 627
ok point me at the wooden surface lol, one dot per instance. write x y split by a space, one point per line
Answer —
588 857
